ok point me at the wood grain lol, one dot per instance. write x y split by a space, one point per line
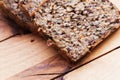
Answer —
19 53
104 68
43 71
107 45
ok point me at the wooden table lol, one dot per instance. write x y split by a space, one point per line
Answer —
25 56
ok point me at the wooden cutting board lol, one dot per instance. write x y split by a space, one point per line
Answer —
25 56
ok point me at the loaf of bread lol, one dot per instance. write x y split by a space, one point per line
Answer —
72 26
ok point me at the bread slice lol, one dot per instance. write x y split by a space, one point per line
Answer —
11 9
76 27
72 26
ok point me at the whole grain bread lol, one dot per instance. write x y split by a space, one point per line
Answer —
72 26
11 9
30 6
27 5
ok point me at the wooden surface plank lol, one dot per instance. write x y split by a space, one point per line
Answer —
104 68
43 71
22 52
110 43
